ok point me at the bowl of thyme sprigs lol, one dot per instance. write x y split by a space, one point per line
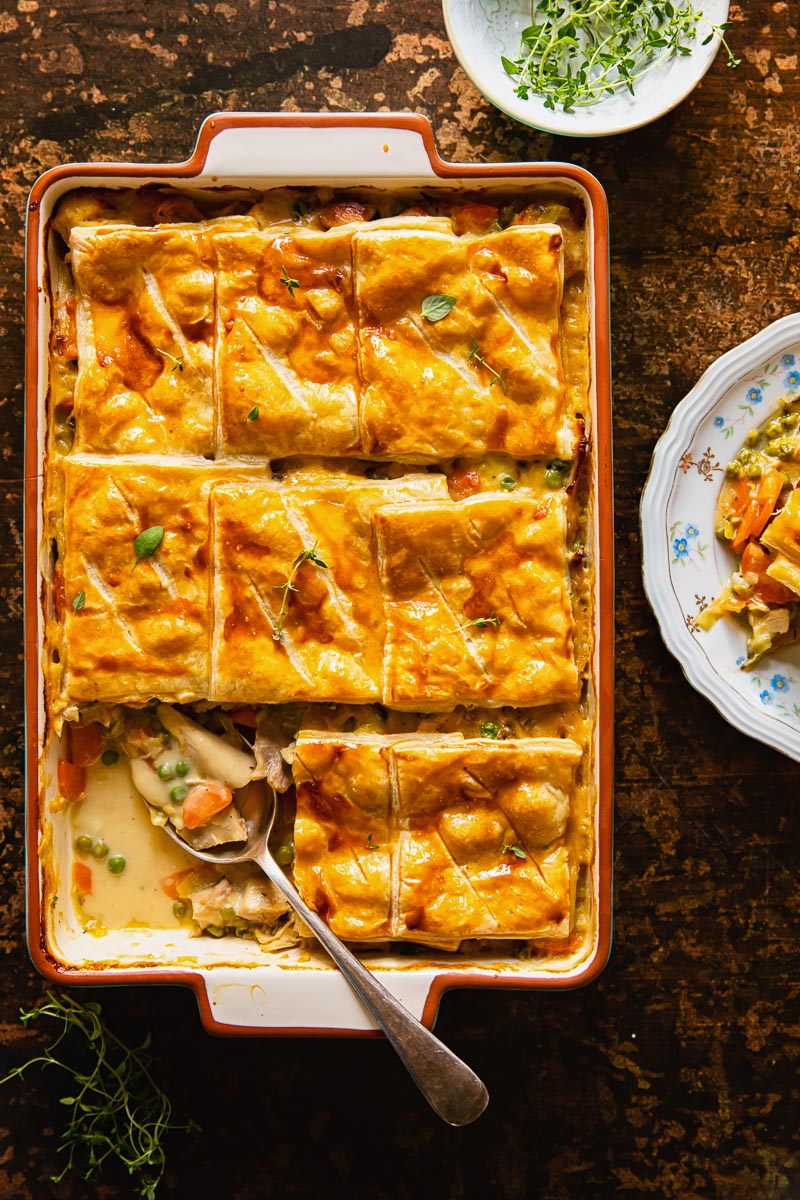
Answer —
587 68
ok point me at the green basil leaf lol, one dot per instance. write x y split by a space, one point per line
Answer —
437 306
148 541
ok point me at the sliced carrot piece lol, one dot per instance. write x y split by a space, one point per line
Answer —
463 483
243 716
87 744
169 883
204 801
760 508
474 218
82 877
71 780
755 561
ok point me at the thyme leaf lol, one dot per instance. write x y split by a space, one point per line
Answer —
288 585
291 284
497 376
117 1110
253 414
79 601
577 52
516 850
177 363
370 844
483 622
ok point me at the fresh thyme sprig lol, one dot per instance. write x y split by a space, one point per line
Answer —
177 363
288 585
483 622
575 53
116 1109
497 376
291 284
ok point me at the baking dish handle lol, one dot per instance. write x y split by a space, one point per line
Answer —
254 999
314 146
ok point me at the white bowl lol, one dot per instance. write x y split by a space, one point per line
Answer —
483 30
685 564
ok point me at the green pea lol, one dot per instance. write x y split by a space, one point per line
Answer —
773 429
227 913
178 793
181 768
507 483
165 771
753 471
490 729
284 854
116 864
215 930
554 475
110 758
83 843
99 849
751 438
790 420
179 909
732 470
785 450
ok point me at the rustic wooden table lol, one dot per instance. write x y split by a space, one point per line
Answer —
676 1074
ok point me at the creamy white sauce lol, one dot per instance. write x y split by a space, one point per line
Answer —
114 812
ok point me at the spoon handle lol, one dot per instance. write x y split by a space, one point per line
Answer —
451 1088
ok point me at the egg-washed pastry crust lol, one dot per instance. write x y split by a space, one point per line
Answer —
435 839
374 522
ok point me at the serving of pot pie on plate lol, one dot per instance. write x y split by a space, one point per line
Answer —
317 517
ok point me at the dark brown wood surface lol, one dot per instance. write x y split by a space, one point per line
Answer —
675 1075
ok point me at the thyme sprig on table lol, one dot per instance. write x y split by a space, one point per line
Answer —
116 1108
575 52
288 585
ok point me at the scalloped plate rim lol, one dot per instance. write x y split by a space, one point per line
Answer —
725 372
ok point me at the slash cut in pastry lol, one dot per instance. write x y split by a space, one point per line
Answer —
477 602
145 323
286 343
288 627
488 375
471 832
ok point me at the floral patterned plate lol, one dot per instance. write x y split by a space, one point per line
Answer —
684 563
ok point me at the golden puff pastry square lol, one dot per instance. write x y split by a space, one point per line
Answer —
485 377
286 356
322 637
477 603
136 628
342 832
145 331
481 848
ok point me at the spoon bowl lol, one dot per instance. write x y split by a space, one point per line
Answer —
451 1088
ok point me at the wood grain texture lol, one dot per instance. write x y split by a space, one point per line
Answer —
675 1075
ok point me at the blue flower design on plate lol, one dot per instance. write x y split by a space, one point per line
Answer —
793 379
754 395
765 697
681 547
779 683
692 531
787 360
719 422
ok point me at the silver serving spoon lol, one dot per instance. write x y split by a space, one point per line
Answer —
453 1090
